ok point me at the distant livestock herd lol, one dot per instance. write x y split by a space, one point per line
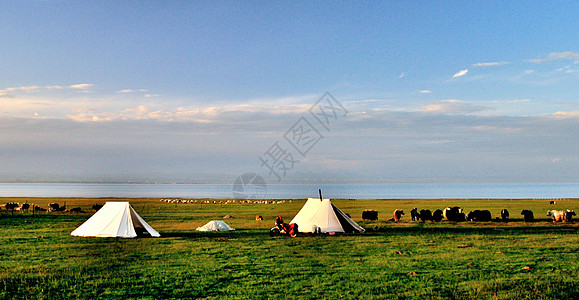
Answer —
52 207
456 214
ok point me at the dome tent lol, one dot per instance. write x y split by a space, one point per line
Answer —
215 226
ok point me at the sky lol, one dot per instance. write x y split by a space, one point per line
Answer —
294 91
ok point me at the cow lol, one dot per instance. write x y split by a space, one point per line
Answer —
552 202
569 215
76 210
479 216
11 206
504 214
23 206
557 215
398 213
258 218
56 207
437 215
527 215
38 208
454 214
425 215
96 207
370 214
414 214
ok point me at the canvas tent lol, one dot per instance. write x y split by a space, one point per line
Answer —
116 219
323 216
215 226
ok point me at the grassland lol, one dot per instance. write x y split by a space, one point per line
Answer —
492 260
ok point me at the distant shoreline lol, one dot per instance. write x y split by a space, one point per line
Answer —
296 191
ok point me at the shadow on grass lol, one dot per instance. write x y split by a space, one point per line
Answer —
406 230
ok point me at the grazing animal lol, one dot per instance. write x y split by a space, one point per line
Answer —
53 207
479 216
437 215
38 208
557 215
23 206
258 218
425 215
454 214
527 215
414 214
569 215
504 214
370 214
398 213
96 207
11 206
552 202
76 210
56 207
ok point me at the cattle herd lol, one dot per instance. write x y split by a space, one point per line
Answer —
456 214
52 207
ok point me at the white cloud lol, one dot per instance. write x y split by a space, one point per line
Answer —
402 75
460 73
425 92
30 88
452 106
491 64
566 114
557 56
81 86
126 91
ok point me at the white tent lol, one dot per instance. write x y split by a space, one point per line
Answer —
115 219
323 216
215 226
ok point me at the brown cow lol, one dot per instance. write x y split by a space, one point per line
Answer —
398 213
557 215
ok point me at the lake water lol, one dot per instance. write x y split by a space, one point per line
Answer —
296 191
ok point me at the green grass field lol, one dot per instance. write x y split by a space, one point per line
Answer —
492 260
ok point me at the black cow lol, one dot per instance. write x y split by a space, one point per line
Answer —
11 205
504 214
76 210
479 216
414 214
96 207
569 215
425 215
528 215
454 214
370 214
56 207
437 215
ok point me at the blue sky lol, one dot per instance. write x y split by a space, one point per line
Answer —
200 90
